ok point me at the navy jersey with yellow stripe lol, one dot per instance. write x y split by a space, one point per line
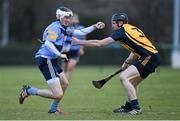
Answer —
134 40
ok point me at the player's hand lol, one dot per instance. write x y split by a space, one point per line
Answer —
125 65
99 25
64 57
75 41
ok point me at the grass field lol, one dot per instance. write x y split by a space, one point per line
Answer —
159 95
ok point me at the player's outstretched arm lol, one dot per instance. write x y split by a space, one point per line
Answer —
93 43
87 30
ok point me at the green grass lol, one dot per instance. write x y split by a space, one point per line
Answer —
159 95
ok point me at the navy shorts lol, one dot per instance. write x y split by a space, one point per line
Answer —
73 54
147 65
49 68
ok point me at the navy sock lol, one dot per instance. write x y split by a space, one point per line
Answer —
135 104
128 105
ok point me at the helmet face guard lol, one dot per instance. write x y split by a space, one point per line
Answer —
62 12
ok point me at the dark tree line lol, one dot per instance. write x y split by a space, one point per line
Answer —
28 18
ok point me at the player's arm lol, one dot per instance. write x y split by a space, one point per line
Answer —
50 43
87 30
129 60
93 43
54 50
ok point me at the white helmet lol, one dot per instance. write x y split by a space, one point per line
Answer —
63 11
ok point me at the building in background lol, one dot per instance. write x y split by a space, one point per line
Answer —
5 23
175 57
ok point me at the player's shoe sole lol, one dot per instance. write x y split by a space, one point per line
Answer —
58 111
135 112
24 94
121 109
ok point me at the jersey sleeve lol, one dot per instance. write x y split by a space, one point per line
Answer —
52 34
84 31
118 35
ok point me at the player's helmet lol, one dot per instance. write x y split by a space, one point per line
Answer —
120 17
63 11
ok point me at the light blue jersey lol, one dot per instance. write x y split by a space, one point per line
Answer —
53 33
77 47
67 47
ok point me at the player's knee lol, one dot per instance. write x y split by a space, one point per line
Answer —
123 77
134 84
58 96
66 83
70 68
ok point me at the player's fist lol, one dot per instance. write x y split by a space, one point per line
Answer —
125 65
99 25
64 57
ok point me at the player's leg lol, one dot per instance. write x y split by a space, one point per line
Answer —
73 56
48 69
144 66
54 105
69 67
135 80
132 103
126 76
54 92
136 73
64 83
